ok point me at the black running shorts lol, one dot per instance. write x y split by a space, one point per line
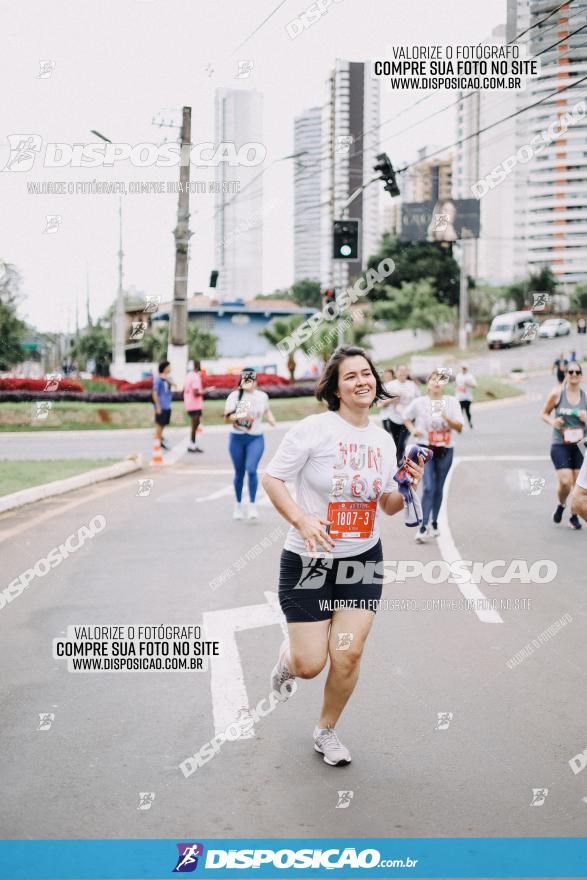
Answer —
566 455
313 589
163 418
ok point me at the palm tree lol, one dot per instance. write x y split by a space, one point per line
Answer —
277 330
326 339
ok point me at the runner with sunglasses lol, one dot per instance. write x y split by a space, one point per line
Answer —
433 419
244 410
331 574
566 411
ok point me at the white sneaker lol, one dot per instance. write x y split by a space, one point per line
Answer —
238 511
432 532
281 673
328 744
252 512
421 535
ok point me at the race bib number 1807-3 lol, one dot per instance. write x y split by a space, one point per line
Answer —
351 519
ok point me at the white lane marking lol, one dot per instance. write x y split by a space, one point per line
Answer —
220 493
177 452
450 554
446 543
227 683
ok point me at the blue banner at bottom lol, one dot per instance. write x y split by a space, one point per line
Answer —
293 857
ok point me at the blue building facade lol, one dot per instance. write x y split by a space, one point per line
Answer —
237 325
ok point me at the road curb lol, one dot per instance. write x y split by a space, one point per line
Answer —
79 481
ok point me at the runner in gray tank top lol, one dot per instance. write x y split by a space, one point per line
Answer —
566 411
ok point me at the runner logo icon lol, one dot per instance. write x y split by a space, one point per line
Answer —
314 572
187 860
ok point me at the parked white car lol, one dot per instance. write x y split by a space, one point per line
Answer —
554 327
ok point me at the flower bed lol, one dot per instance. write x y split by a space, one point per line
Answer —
144 396
13 384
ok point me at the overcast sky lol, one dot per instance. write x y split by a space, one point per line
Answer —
119 63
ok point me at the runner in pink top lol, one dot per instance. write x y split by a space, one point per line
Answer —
193 399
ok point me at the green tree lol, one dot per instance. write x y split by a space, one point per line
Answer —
94 344
483 301
12 328
579 300
520 292
416 261
277 330
307 293
201 344
414 305
279 293
327 337
154 343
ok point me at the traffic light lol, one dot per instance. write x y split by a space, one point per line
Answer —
213 278
329 296
386 173
345 240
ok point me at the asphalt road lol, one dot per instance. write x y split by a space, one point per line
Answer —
115 735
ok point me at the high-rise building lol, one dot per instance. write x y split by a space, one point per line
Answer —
307 194
350 143
492 257
556 220
428 180
239 221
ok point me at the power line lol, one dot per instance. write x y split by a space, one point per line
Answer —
452 104
498 122
459 100
542 20
327 157
259 26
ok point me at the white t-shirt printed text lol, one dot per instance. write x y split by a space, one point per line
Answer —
253 405
427 416
330 460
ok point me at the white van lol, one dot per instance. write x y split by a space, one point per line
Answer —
508 329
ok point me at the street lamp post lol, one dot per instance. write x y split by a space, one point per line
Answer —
177 349
118 321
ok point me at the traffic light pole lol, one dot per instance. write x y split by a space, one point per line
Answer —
177 351
344 211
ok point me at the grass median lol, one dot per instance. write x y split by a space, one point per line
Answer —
72 416
23 474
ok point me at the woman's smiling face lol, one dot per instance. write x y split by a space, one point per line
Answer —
356 383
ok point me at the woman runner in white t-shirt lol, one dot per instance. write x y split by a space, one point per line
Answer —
244 410
331 573
432 420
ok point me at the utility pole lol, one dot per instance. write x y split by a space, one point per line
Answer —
88 312
463 298
118 328
177 351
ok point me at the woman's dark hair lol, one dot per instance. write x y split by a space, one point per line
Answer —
327 386
197 364
245 374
